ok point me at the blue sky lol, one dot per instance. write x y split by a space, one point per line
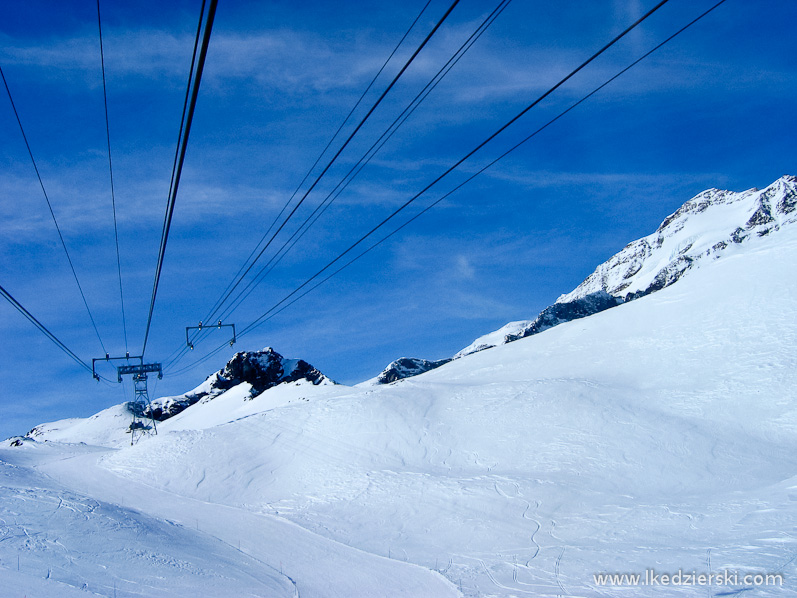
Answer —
713 108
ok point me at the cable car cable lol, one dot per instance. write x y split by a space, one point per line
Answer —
490 164
463 159
364 160
110 172
52 213
20 308
183 146
276 308
342 147
358 166
219 301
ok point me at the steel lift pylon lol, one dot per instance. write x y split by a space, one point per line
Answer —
143 422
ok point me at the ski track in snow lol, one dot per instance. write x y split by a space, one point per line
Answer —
346 571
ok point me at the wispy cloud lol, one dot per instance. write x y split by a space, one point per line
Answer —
147 53
291 62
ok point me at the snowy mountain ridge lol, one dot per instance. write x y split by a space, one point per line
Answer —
702 228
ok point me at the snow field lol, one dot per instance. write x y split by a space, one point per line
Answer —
659 434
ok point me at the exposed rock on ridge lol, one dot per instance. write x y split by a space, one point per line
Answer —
703 228
260 369
406 367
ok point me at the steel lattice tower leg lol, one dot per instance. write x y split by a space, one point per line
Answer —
143 422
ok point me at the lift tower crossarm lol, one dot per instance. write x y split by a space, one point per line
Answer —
124 370
143 368
108 358
202 326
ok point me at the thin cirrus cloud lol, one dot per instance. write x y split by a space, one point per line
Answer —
77 59
284 62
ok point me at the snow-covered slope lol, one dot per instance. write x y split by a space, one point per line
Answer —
251 382
660 434
59 543
702 229
491 339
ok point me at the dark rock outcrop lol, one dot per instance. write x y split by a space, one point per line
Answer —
406 367
559 313
260 369
264 369
703 228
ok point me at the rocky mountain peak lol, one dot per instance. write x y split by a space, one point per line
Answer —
406 367
264 369
702 228
261 370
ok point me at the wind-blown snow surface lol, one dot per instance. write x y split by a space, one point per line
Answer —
55 542
660 434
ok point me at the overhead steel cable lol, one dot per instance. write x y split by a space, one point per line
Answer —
179 164
218 303
21 309
110 172
459 162
194 53
364 160
281 305
52 213
343 147
492 163
185 105
180 352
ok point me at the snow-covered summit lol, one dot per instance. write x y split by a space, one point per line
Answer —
705 227
702 228
259 370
